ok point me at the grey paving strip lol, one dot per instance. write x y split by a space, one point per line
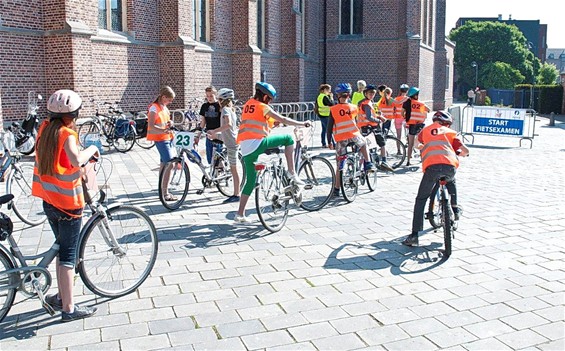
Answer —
337 278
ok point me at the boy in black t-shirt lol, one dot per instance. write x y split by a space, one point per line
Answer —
210 112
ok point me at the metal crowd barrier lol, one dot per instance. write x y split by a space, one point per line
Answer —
300 111
498 121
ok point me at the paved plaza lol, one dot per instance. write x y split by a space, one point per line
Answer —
337 279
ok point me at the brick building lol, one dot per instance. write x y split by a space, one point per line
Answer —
124 50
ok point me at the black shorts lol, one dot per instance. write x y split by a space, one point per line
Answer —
415 129
378 134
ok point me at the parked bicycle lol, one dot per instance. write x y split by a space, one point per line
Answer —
141 124
352 172
440 214
19 178
109 130
117 250
274 190
25 133
217 174
395 149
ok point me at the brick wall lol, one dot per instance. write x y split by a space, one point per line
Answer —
39 51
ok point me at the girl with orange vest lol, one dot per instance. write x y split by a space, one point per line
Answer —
342 127
57 180
397 107
415 113
254 139
441 145
368 118
158 124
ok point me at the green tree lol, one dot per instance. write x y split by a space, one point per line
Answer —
501 75
548 74
491 42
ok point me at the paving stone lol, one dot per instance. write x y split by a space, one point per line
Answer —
215 318
150 342
451 337
260 311
522 339
223 344
230 330
339 342
108 345
486 344
395 316
303 346
524 320
312 331
417 343
76 338
188 337
487 329
267 339
382 335
552 331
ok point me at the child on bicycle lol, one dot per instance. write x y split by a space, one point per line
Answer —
210 119
158 124
342 127
397 109
228 132
254 139
369 122
441 145
57 180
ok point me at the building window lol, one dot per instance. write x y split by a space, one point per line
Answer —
261 24
201 20
302 8
447 80
427 22
351 17
111 15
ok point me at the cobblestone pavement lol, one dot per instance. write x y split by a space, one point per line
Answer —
338 278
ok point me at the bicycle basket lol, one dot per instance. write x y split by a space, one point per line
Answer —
28 124
122 128
141 127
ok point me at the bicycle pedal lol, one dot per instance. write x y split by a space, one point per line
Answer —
47 307
308 187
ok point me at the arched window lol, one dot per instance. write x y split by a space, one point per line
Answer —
350 17
201 20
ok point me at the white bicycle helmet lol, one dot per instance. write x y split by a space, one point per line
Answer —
64 102
443 117
226 93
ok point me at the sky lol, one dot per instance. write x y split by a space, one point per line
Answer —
546 11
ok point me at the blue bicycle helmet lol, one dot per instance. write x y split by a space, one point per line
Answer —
343 88
370 87
266 89
413 91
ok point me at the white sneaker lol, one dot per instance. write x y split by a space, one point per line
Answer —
241 220
297 181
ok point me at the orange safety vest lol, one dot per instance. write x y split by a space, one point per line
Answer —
63 189
397 105
362 120
254 121
418 114
387 110
161 119
344 121
438 149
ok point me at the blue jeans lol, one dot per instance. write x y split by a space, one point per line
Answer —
210 150
67 232
166 150
324 121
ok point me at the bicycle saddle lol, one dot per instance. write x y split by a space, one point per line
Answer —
273 150
217 141
4 199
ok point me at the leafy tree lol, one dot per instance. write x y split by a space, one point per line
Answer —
492 42
548 74
501 75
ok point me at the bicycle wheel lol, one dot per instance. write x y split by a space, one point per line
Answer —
118 251
348 184
395 151
144 143
446 227
434 213
225 183
28 147
174 193
88 129
124 143
371 177
8 285
271 205
319 176
28 208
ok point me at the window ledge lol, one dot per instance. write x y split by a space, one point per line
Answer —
198 46
349 36
109 36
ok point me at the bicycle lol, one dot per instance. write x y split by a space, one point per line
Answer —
352 172
141 124
113 129
274 190
19 178
440 214
25 133
117 251
218 173
392 143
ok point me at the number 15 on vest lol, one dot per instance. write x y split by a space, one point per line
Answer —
184 140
